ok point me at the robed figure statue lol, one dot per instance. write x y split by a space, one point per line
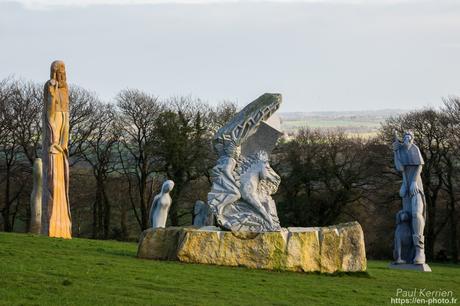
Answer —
56 221
409 162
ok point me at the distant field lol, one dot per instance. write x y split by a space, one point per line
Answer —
330 123
359 128
364 124
36 270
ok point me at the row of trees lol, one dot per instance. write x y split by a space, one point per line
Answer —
129 145
120 153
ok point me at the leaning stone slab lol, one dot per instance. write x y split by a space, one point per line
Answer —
160 243
411 267
328 249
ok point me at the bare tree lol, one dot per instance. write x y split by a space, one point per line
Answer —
182 145
12 162
137 112
452 170
82 104
322 173
27 111
99 152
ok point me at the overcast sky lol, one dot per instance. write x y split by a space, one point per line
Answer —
321 55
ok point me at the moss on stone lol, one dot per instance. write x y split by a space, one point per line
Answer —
328 250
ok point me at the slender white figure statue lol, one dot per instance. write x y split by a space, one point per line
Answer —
160 205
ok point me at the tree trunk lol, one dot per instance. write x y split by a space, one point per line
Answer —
100 213
107 212
144 209
95 213
453 232
430 223
173 210
6 209
452 212
124 221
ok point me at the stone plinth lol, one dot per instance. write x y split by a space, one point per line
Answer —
327 249
412 267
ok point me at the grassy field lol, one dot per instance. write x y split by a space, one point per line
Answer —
330 123
42 271
362 128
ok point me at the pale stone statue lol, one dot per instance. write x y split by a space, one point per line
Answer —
409 162
56 220
403 249
202 215
160 205
240 196
36 198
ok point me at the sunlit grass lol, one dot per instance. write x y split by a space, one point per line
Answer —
38 270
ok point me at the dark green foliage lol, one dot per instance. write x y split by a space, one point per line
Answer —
321 174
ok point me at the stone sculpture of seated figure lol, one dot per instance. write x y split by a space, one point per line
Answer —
403 250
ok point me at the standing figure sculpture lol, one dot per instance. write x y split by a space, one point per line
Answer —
36 198
242 183
56 220
409 162
160 205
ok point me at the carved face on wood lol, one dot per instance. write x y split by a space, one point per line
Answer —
58 73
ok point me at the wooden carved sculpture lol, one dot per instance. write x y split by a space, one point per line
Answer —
56 220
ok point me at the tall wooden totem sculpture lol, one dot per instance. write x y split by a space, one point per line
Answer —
56 221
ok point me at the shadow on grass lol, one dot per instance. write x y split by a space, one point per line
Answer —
124 253
364 274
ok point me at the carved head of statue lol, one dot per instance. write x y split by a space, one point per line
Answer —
199 207
267 173
58 73
167 186
408 139
402 216
262 156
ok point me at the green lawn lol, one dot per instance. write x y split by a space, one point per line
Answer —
42 271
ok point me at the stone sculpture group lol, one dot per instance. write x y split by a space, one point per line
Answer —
242 184
248 231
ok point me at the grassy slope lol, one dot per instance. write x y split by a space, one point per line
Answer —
39 270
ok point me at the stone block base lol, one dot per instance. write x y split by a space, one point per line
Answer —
338 248
412 267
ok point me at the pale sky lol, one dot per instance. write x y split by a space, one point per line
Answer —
320 54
